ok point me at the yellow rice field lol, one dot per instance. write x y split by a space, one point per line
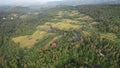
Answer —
28 41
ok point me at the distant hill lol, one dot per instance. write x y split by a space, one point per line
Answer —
14 9
83 2
38 6
20 9
4 8
52 4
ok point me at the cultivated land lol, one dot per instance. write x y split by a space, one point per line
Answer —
79 22
61 37
47 29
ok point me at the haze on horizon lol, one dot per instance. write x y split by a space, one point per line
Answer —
36 2
27 2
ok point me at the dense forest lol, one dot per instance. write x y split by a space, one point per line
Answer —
85 36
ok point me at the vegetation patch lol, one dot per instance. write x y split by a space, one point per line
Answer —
109 36
47 29
64 26
28 41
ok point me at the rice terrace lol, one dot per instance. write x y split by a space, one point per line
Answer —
45 30
60 34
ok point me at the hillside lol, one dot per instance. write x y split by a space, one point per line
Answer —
79 22
61 37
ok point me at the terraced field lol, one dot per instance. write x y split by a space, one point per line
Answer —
61 37
78 22
29 40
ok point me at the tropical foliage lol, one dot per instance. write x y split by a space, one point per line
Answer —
85 36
